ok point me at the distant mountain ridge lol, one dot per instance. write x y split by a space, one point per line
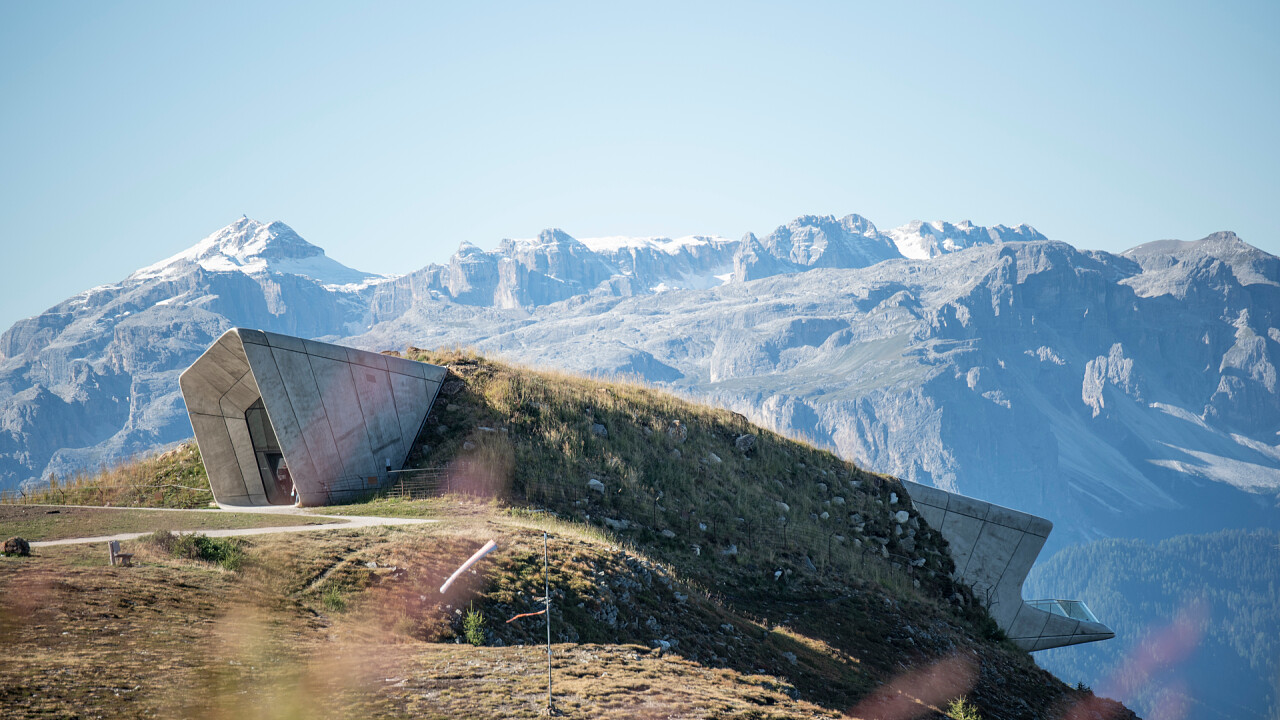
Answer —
990 361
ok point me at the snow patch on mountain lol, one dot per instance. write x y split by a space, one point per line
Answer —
923 240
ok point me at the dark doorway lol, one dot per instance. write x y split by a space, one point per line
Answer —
276 479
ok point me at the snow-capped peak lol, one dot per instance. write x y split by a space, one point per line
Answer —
923 240
614 243
611 244
254 248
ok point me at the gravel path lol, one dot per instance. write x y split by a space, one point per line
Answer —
346 523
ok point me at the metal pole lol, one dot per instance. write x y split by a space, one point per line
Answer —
546 586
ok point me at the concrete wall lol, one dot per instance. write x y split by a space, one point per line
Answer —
339 414
994 548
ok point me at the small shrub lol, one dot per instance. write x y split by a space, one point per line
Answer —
962 709
333 599
473 626
227 553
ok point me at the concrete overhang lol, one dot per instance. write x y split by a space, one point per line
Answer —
994 548
339 419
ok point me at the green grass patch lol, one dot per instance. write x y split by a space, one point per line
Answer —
226 553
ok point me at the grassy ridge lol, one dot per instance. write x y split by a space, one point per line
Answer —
172 479
671 476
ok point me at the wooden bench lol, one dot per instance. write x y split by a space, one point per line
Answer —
125 559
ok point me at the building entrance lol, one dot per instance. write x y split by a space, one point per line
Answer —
276 480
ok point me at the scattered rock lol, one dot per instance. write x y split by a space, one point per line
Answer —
468 445
745 443
596 485
675 453
616 524
808 565
599 430
681 597
451 387
677 431
713 458
902 516
783 506
822 487
17 546
837 500
668 534
731 550
442 429
372 565
791 658
893 498
825 515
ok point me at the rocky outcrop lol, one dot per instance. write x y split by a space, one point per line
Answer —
16 546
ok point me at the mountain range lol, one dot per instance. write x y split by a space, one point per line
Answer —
1118 394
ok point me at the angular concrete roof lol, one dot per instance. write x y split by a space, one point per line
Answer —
340 415
994 548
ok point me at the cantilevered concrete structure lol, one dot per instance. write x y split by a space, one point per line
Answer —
994 548
283 420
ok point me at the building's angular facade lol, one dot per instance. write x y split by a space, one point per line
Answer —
283 420
994 548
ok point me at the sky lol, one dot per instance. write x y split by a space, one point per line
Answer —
388 133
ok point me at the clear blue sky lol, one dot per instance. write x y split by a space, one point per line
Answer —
387 133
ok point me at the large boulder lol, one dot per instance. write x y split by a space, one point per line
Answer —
17 546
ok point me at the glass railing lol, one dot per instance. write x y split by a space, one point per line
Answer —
1074 609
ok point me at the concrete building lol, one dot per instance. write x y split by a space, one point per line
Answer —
282 420
994 548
